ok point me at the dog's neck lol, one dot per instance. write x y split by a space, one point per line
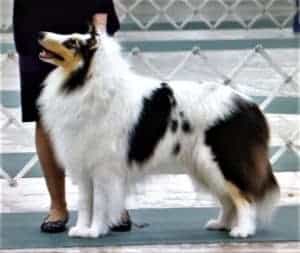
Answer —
109 63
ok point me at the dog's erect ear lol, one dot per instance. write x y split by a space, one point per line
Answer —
92 42
92 28
93 32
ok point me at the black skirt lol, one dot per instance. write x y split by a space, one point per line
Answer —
32 74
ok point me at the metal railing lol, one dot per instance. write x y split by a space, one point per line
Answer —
229 78
192 14
214 14
210 14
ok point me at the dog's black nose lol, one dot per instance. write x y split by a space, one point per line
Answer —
41 35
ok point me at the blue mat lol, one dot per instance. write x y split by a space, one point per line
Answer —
166 226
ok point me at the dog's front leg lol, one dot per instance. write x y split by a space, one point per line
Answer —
85 201
99 223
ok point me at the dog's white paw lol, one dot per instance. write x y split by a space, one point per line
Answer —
97 232
242 231
79 231
86 232
216 224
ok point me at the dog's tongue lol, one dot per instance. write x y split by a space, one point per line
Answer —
45 54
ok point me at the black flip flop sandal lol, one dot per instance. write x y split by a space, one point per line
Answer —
125 224
54 226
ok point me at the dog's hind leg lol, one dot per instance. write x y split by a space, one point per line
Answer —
226 217
85 200
207 173
245 223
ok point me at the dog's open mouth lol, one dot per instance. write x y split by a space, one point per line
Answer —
46 54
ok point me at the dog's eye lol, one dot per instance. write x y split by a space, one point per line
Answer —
71 43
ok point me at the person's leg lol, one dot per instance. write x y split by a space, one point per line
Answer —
32 74
54 175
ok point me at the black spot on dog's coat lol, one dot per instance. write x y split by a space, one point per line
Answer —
186 126
176 149
174 125
151 126
239 144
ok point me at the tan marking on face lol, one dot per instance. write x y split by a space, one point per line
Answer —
70 58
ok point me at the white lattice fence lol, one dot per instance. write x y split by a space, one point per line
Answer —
213 13
179 14
288 81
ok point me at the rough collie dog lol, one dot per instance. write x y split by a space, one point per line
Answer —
108 123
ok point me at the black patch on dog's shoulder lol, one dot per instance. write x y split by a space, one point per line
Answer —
174 125
176 149
151 126
186 127
77 78
239 144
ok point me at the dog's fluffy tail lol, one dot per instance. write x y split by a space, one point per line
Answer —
267 203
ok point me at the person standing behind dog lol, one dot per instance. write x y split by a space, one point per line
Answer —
60 16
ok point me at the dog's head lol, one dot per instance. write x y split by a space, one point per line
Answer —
68 51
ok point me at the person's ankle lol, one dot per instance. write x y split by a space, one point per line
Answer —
58 213
59 206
